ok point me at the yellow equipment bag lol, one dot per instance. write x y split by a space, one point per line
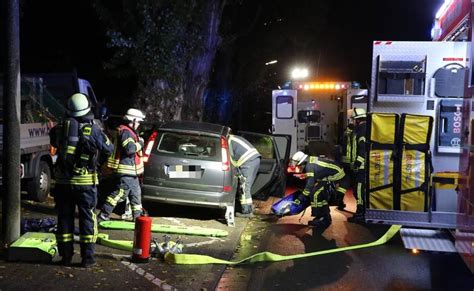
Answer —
415 164
383 127
382 133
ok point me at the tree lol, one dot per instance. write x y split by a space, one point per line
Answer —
168 47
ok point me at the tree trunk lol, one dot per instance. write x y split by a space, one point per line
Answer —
199 68
160 101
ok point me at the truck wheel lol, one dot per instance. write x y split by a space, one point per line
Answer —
39 187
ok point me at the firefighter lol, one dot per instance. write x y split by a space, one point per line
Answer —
322 176
359 116
127 165
79 142
246 159
347 157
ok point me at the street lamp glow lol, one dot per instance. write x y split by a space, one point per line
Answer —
271 62
299 73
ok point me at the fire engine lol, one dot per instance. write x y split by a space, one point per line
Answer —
315 113
432 79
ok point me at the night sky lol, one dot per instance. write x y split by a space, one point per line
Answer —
60 35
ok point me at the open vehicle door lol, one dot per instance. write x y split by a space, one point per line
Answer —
275 151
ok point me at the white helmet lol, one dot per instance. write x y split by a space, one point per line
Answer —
358 113
298 158
134 114
78 105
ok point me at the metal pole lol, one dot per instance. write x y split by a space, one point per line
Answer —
11 125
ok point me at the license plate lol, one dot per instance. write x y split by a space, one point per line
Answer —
184 171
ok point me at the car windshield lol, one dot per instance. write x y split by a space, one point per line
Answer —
182 144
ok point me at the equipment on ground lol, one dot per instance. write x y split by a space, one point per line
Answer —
192 259
33 247
162 228
292 204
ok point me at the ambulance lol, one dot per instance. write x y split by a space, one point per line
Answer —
314 114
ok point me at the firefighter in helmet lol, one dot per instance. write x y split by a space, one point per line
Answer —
359 116
127 165
79 142
246 159
322 176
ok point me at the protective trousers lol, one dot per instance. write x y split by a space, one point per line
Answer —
359 188
249 171
321 195
127 186
85 197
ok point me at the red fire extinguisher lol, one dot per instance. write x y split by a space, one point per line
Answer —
142 240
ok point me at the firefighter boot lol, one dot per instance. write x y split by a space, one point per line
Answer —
247 211
359 216
321 222
102 217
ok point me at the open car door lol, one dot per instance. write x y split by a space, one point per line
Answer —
275 151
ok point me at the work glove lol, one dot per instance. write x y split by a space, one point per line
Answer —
141 141
299 198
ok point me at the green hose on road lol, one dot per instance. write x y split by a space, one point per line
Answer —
190 259
163 228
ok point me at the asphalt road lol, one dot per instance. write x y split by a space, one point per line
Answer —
387 267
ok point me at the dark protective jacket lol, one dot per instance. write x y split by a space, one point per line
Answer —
360 146
318 169
79 142
127 159
241 150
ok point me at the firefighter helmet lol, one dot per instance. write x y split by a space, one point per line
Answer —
358 113
298 158
134 115
78 105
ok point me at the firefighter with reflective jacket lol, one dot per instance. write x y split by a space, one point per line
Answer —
127 164
347 158
323 178
359 116
246 159
79 142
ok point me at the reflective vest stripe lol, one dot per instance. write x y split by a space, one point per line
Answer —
71 150
245 157
127 141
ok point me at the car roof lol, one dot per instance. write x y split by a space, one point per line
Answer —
196 126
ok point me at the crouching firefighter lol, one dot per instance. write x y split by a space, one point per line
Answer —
246 159
359 116
321 175
79 142
127 165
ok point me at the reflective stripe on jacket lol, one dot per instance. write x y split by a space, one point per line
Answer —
360 151
78 168
347 147
318 169
127 157
241 150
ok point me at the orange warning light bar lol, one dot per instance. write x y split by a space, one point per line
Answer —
322 86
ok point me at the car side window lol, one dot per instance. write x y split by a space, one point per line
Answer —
184 145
